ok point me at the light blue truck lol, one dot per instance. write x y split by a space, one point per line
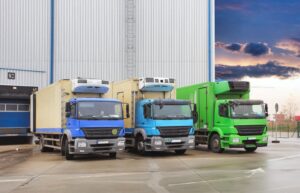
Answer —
158 121
76 117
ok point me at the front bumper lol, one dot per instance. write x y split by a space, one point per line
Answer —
157 143
94 146
237 141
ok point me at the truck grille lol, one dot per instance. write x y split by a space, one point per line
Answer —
250 129
174 131
101 133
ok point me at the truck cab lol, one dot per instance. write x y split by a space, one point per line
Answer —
240 124
96 124
164 124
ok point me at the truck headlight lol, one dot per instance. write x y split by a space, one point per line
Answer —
81 144
191 140
121 143
157 142
265 139
236 140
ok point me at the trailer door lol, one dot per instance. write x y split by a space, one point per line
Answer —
203 107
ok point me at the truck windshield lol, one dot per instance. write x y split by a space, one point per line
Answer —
172 112
248 111
94 110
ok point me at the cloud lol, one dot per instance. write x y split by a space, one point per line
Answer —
271 68
253 49
233 47
291 45
257 49
230 6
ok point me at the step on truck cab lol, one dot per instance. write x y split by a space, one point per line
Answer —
76 117
227 117
158 121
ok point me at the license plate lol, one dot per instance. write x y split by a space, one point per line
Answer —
170 140
102 142
250 145
251 138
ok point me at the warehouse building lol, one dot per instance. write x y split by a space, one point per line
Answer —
43 41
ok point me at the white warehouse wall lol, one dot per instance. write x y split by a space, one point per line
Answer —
172 39
89 39
24 41
107 39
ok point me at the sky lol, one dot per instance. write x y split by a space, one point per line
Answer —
259 41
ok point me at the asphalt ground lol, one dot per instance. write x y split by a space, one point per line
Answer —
275 168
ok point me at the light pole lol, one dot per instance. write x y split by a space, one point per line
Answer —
276 127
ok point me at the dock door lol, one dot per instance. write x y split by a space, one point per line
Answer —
14 110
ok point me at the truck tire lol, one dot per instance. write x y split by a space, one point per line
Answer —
215 144
113 155
180 151
140 144
67 151
42 146
62 149
250 149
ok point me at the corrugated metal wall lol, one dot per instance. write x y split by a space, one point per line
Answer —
89 39
172 39
105 39
24 41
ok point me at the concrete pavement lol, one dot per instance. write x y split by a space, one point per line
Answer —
272 169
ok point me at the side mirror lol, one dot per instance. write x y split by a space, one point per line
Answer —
68 109
68 114
195 117
266 110
195 114
127 111
147 111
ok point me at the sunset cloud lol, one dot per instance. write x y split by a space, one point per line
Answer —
271 68
253 49
291 45
237 6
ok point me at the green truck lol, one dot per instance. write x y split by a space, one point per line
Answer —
227 118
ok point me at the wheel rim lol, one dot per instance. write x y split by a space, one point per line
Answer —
215 143
140 145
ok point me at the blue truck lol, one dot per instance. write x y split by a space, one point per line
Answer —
14 112
158 121
77 117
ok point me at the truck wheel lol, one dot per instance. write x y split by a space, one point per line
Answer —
215 144
42 146
67 151
250 149
180 151
63 151
140 144
113 155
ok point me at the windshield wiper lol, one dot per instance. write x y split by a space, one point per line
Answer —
89 118
172 117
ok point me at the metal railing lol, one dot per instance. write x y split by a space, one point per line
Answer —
284 129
